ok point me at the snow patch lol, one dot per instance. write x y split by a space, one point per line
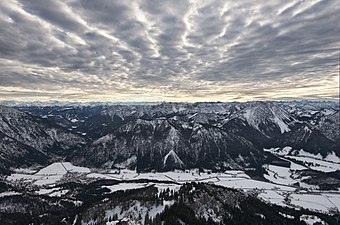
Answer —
283 127
126 186
61 168
286 215
311 219
9 193
172 154
302 152
278 151
73 120
332 157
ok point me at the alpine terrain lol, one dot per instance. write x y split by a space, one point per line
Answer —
170 163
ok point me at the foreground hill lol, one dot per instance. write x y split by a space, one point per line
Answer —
192 203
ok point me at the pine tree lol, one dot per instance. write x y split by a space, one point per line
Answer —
147 219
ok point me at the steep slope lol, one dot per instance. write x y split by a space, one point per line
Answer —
270 119
13 153
28 140
328 124
164 144
308 139
71 117
209 135
149 141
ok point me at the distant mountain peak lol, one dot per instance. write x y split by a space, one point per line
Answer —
263 116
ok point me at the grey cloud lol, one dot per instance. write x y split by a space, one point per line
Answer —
176 49
54 12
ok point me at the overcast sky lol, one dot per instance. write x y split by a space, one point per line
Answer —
174 50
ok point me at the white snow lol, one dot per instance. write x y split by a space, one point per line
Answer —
62 168
153 212
53 169
328 112
317 164
306 128
162 187
301 152
273 196
283 127
173 155
286 215
245 184
334 199
73 120
330 163
275 193
48 175
279 175
260 215
47 180
9 193
248 114
286 176
311 219
25 170
102 176
44 191
278 151
137 209
295 166
332 157
315 202
278 116
126 186
312 202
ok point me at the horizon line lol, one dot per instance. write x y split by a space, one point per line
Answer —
64 103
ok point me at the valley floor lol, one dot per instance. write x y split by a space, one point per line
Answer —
278 190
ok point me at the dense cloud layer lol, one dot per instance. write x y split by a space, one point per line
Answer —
173 50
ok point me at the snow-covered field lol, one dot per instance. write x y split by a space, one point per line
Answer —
48 175
330 163
278 191
317 164
287 176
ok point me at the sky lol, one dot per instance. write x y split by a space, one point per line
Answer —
169 50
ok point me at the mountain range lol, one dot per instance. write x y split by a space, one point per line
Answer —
165 136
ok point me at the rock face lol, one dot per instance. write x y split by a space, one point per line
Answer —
168 135
169 143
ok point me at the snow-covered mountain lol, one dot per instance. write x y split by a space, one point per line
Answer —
174 135
29 140
208 135
269 119
157 142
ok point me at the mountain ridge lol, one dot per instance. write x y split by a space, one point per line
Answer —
205 135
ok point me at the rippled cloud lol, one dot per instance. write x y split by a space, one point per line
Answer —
169 50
